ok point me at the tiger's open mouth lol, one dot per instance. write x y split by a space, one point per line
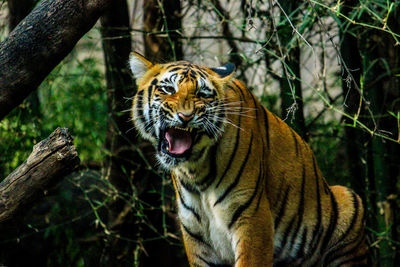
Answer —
177 142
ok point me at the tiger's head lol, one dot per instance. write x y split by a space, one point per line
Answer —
179 107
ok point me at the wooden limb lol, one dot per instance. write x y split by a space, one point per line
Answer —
39 43
49 162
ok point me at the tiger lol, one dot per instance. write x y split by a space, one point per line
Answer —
248 188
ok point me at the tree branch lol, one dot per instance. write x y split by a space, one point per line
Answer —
39 43
49 162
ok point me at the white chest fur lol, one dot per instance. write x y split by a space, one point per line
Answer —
212 225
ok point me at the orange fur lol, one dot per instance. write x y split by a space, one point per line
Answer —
253 194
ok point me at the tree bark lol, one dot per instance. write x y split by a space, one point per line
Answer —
381 62
162 15
39 43
120 87
355 139
121 163
50 160
18 10
234 56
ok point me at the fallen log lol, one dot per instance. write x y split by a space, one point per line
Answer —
50 161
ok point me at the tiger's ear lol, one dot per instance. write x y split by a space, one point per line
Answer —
139 64
225 71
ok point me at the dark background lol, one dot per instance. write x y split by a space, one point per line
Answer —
329 68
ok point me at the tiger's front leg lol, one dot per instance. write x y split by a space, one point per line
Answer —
198 251
253 240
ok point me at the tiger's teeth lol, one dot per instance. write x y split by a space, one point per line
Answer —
184 129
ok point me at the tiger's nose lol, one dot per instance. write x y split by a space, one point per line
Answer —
185 117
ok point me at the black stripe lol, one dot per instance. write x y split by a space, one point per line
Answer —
243 97
266 124
355 216
149 92
301 250
175 69
355 259
238 175
198 154
189 187
247 204
340 246
332 223
166 106
233 154
255 105
263 185
201 73
139 108
282 209
276 118
172 65
154 81
209 178
352 250
300 211
260 197
188 207
280 193
326 187
317 232
238 257
295 141
197 237
192 74
237 243
286 235
211 264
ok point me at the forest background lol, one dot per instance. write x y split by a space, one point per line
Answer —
330 69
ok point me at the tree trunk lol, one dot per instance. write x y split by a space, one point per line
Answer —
18 10
50 161
234 56
355 139
381 63
39 43
120 86
119 164
290 84
167 17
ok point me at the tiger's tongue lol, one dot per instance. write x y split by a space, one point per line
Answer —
179 141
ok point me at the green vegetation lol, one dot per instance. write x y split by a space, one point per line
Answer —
339 59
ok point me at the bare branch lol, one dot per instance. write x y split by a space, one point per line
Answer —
39 43
49 162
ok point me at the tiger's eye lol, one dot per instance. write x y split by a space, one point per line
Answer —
202 94
169 89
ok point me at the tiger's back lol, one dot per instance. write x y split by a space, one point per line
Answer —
248 188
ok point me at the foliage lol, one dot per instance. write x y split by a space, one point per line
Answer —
74 96
260 37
